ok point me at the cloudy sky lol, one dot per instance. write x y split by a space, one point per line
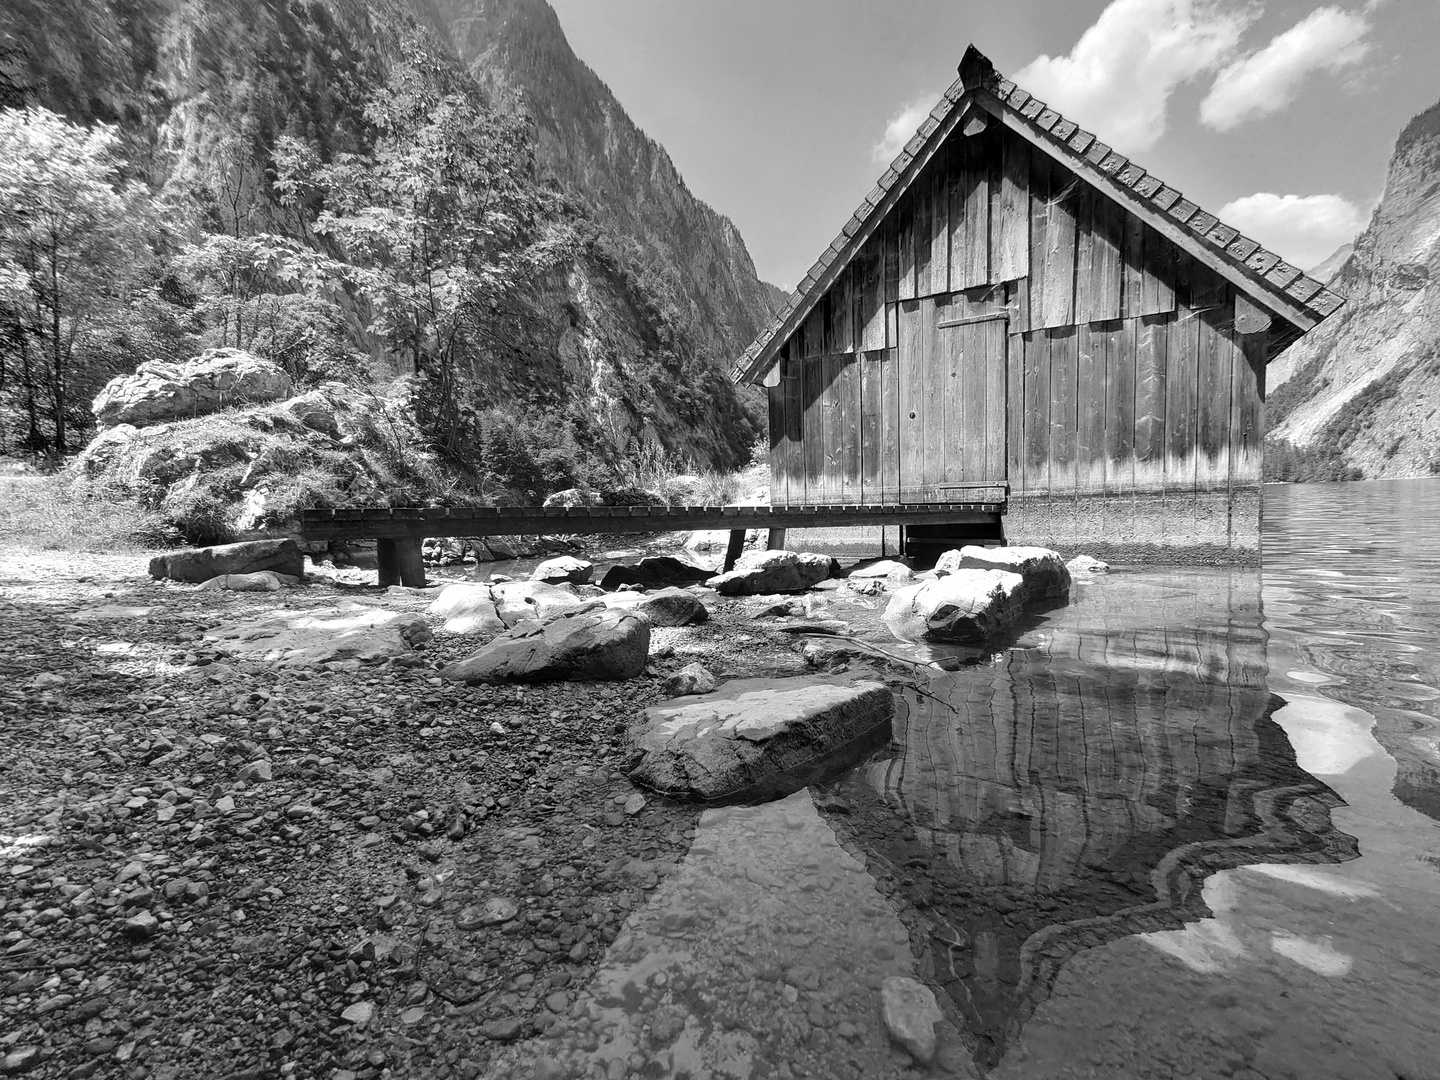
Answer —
1278 115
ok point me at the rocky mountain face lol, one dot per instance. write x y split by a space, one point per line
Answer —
625 178
641 324
1363 389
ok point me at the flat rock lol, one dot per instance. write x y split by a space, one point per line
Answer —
251 556
580 645
467 608
1046 576
664 607
754 738
563 568
911 1013
966 606
774 572
347 632
652 571
260 581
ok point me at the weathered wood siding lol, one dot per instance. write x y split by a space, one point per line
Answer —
1009 323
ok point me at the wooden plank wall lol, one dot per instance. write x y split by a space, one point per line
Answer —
1124 374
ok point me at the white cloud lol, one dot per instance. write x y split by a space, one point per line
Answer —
1326 40
1118 78
902 127
1303 229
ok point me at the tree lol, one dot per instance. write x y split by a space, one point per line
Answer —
443 226
72 240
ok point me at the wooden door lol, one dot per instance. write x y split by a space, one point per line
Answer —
953 402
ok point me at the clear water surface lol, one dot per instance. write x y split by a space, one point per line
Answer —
1185 826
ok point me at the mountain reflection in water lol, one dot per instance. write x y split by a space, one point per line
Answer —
1080 787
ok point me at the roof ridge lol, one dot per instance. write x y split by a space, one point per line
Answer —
1064 139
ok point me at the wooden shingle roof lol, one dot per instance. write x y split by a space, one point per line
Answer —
1260 274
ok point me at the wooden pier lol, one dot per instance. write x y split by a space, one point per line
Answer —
400 531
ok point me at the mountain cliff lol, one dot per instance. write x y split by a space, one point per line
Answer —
634 329
1362 391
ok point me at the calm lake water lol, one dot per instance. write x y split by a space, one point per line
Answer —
1184 826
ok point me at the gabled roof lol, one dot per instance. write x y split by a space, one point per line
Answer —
1260 274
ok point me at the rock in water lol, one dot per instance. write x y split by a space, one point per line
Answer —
347 632
654 570
691 679
966 606
1084 564
581 645
201 564
754 738
562 569
886 569
911 1014
1046 576
467 608
760 572
217 379
667 607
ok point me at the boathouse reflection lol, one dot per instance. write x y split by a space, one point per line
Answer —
1080 787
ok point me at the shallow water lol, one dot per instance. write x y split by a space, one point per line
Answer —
1181 827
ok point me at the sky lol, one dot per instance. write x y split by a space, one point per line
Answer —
1278 115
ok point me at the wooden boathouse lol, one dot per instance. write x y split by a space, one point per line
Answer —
1017 307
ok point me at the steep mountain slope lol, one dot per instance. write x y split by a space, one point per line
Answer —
1326 271
1364 387
635 332
605 161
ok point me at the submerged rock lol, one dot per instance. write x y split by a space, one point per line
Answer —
758 738
966 606
562 569
201 564
774 572
580 645
911 1013
1044 571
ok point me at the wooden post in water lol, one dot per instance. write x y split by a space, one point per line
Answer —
733 549
389 563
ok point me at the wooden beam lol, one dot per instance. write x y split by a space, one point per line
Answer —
1160 221
733 549
1250 319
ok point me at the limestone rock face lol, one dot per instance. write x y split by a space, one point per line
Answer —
251 556
467 608
216 379
755 738
581 645
347 632
562 569
966 606
522 601
760 572
665 607
1045 573
911 1013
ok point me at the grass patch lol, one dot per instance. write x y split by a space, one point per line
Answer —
56 513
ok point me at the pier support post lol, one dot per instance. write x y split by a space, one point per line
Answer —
389 563
776 540
401 563
733 549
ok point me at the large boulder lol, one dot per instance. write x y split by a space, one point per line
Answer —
763 572
654 570
665 607
562 569
884 569
1046 576
251 556
217 379
582 645
966 606
468 608
526 601
321 635
756 738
